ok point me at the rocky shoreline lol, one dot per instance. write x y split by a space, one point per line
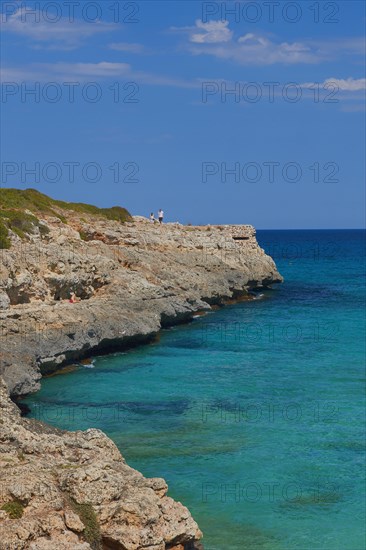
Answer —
132 279
74 491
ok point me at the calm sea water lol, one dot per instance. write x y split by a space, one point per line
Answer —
254 414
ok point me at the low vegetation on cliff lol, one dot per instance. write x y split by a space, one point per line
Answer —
21 210
14 509
89 518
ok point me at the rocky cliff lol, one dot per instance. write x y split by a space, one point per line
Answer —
73 491
131 278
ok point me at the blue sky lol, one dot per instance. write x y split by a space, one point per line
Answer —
132 106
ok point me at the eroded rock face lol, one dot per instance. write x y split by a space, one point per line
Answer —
132 279
74 491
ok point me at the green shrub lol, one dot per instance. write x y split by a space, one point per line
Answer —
19 222
24 199
33 200
21 225
43 229
88 517
116 213
4 237
14 509
83 235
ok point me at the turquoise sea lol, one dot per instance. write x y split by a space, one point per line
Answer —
254 414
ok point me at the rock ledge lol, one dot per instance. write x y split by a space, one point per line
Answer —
73 490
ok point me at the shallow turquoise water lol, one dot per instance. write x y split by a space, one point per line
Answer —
254 414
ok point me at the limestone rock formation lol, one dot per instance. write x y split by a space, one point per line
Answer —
132 279
74 491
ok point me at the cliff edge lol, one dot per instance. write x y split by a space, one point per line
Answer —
131 277
74 491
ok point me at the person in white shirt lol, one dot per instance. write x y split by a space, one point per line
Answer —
161 216
152 217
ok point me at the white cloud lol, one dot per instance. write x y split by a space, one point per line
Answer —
214 31
61 34
348 85
85 72
64 72
352 46
260 49
253 39
102 69
105 70
341 84
252 48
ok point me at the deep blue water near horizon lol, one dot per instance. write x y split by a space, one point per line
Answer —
254 414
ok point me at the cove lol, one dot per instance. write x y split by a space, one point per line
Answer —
253 413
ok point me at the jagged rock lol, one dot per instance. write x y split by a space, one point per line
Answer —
60 479
74 490
73 522
156 276
4 300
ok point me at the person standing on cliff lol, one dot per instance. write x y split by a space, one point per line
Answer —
161 216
